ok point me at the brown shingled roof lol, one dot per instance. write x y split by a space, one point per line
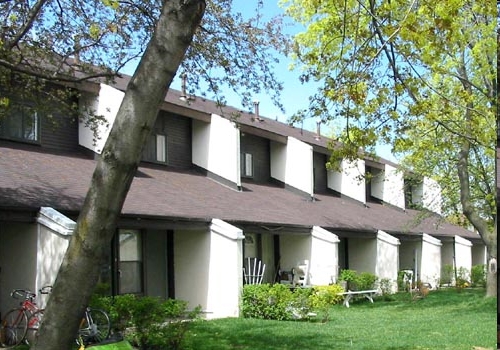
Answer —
32 179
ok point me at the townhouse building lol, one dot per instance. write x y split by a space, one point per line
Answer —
215 185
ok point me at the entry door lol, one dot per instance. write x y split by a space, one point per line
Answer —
130 262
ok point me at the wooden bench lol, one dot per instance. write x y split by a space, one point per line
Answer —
368 294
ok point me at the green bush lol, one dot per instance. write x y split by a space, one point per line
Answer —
348 275
478 275
358 281
300 305
265 301
350 278
463 278
148 322
278 302
386 289
366 281
447 274
400 280
323 298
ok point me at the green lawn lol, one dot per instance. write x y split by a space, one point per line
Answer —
445 319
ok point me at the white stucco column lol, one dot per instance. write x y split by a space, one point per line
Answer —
225 279
54 233
430 260
387 258
324 257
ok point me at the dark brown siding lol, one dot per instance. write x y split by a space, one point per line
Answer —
178 132
59 132
58 128
320 174
259 148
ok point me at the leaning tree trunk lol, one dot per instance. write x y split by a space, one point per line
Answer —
489 238
115 171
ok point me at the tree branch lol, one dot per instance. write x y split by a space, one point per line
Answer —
27 25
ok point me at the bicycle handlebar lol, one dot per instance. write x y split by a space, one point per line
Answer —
27 294
45 290
23 293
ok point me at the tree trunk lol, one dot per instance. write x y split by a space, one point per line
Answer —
115 171
489 237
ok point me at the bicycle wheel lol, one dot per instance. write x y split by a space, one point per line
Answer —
13 328
95 327
34 322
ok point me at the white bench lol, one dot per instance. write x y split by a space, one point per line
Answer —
368 294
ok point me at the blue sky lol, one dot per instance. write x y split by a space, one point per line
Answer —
295 95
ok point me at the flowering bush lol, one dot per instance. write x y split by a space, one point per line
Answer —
323 297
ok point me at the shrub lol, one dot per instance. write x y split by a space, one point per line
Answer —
300 305
278 302
148 322
478 275
118 308
386 288
401 282
447 274
267 301
323 298
463 278
366 281
350 277
170 333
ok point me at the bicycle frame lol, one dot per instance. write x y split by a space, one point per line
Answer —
29 307
24 320
90 330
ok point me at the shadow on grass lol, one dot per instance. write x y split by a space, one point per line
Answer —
263 335
472 299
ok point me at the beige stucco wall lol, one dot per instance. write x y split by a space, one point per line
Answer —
208 269
18 244
324 257
350 180
362 254
478 254
292 164
106 105
387 258
293 250
191 266
430 260
216 147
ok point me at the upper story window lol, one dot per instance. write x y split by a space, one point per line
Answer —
246 165
20 123
156 149
413 193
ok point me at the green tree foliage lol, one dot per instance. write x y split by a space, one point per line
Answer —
418 75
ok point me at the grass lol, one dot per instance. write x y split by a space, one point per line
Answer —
445 319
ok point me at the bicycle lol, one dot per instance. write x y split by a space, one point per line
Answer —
21 323
94 327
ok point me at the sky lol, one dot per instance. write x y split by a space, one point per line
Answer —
295 95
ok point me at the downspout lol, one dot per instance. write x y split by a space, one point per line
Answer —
455 260
417 278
